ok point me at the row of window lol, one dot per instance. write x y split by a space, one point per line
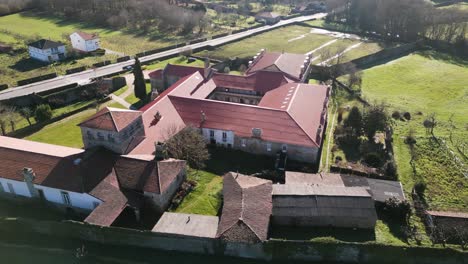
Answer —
65 195
110 137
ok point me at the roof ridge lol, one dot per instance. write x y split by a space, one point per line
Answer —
303 130
112 118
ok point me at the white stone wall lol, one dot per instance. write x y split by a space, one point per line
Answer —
78 200
43 55
84 45
218 136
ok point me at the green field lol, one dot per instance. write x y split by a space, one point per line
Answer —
205 199
64 132
276 40
425 83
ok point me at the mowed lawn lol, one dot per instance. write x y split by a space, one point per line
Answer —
425 83
294 39
205 199
65 132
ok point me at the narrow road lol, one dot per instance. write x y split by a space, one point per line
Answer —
86 76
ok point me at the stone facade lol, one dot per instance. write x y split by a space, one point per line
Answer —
120 142
162 201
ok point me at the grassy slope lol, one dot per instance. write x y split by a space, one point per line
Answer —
427 82
205 198
276 40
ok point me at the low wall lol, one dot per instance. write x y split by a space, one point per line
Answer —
273 249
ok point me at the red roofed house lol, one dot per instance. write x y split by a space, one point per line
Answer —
247 206
88 180
116 129
268 17
84 42
162 79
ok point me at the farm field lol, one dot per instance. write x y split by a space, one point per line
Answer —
421 84
294 39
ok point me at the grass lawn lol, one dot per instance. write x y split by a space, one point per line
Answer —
426 83
136 102
181 60
288 39
121 91
331 26
64 132
205 199
117 105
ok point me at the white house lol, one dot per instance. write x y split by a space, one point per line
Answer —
47 50
84 42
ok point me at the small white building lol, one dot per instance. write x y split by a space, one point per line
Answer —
47 50
84 42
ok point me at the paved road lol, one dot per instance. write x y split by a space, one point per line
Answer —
86 76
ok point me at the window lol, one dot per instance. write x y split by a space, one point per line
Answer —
268 147
1 188
284 148
243 142
10 188
224 136
90 135
110 138
211 134
66 198
100 136
41 194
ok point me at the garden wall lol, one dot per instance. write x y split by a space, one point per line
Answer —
273 249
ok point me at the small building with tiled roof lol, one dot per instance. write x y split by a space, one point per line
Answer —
246 209
156 180
294 66
161 79
84 42
311 205
94 179
116 129
47 50
268 17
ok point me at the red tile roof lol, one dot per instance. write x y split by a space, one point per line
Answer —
157 74
54 166
288 63
247 207
113 202
111 119
142 174
261 81
181 70
463 215
87 36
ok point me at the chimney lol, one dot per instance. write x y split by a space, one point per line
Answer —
206 69
202 116
29 177
257 132
160 152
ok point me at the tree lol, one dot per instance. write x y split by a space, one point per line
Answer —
12 117
375 119
43 113
139 82
27 113
430 123
355 80
354 121
188 144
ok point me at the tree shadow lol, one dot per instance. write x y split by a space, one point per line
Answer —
27 64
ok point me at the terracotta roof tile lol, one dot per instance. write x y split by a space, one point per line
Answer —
87 36
247 207
111 119
181 70
288 63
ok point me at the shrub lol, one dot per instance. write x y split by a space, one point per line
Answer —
391 169
396 210
43 113
407 115
373 159
396 115
410 140
338 159
420 188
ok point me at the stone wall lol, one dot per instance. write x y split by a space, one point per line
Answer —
272 249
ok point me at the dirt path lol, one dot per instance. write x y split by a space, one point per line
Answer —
341 53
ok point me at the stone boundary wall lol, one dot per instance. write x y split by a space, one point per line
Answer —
270 250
